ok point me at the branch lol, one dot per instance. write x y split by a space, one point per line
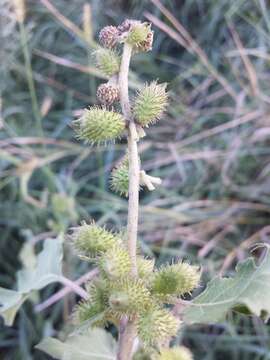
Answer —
66 290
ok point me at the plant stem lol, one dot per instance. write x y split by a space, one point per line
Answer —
134 163
127 333
30 81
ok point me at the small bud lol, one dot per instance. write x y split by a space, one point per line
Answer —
107 94
175 353
115 263
125 26
93 240
108 36
120 178
129 297
150 103
156 326
98 125
108 61
175 280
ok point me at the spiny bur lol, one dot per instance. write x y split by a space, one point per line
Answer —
175 280
150 103
120 177
129 296
107 61
92 240
115 262
85 311
138 33
145 45
98 125
175 353
145 268
157 326
94 308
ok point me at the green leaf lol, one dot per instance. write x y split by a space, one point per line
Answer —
96 344
47 270
10 301
250 287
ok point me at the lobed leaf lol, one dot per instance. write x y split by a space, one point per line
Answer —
97 344
250 287
47 270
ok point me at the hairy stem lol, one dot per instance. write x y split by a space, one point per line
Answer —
127 333
134 163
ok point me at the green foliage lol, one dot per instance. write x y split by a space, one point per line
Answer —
223 294
150 103
98 125
47 269
95 344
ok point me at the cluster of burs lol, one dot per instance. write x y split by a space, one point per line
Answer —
148 298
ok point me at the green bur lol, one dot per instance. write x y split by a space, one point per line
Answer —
175 280
93 240
150 103
98 125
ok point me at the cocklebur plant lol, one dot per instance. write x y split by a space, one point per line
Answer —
129 292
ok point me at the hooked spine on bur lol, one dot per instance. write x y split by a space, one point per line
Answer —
141 296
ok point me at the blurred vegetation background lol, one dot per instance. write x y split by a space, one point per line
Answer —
211 150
